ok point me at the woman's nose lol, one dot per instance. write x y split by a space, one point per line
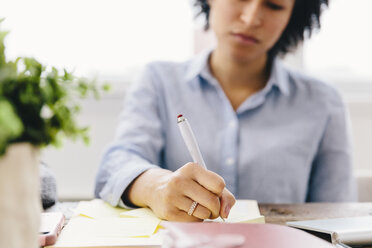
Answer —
252 15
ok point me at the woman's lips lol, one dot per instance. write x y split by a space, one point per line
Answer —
245 39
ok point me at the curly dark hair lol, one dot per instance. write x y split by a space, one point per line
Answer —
305 18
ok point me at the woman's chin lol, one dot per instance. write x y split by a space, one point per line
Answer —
244 56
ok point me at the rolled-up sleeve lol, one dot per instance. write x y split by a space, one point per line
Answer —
138 142
332 178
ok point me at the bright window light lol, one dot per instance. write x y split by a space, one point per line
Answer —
96 36
342 50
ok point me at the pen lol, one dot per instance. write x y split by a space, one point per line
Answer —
341 245
190 141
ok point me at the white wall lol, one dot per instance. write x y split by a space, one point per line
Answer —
361 116
75 164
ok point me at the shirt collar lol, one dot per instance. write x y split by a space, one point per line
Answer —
199 66
279 76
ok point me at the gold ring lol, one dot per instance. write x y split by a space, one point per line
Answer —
192 208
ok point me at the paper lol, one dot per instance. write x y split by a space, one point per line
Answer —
244 211
139 213
131 227
86 232
97 209
98 224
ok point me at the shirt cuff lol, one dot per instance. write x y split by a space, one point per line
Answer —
118 183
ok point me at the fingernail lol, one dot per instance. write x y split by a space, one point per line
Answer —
227 210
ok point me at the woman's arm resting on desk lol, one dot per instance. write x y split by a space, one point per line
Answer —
170 194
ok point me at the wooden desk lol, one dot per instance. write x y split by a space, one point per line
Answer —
281 213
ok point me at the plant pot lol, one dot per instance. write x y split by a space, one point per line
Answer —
20 204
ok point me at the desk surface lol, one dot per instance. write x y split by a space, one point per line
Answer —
281 213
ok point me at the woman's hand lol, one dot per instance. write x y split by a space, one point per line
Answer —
171 194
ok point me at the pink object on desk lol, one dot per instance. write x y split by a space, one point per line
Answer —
51 225
203 235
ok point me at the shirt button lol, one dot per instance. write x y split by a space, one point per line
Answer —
231 124
229 161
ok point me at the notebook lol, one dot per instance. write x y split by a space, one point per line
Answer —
98 224
351 231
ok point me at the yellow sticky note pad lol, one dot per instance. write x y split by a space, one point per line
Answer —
84 232
139 213
129 227
98 224
97 209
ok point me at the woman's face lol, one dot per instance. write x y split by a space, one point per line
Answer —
248 29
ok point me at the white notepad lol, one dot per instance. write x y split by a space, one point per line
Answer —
244 211
350 231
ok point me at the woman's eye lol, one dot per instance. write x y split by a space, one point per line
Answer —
274 6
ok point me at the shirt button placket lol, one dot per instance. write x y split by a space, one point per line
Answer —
229 165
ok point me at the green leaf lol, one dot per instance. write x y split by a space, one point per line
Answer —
106 87
10 124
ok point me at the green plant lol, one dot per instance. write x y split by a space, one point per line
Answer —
39 104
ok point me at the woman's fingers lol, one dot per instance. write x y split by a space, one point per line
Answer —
178 208
173 193
227 201
199 212
208 179
204 198
203 186
182 216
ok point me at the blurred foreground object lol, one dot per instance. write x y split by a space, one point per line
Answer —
223 235
38 107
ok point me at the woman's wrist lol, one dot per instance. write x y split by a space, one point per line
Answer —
141 191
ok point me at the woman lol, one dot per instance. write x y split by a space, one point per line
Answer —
266 132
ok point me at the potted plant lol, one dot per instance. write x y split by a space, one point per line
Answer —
38 107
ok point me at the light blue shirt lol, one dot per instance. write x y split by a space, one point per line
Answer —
287 143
